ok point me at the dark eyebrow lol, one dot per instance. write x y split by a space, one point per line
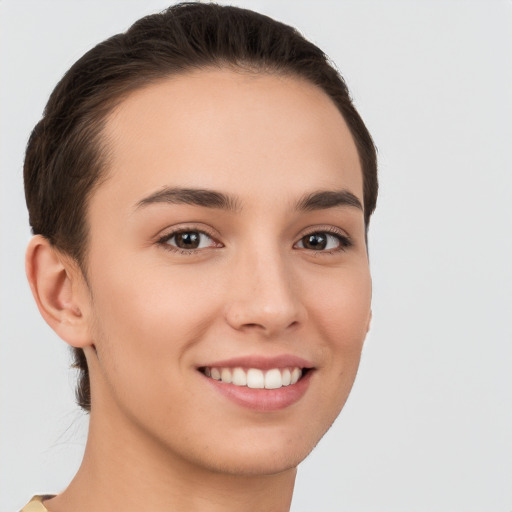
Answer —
328 199
194 196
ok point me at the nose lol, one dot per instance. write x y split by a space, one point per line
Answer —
264 296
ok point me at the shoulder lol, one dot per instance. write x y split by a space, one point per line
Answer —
36 504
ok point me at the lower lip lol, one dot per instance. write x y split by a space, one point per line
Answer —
263 400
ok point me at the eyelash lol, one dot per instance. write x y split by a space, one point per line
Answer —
344 241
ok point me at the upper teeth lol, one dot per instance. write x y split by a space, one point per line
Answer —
254 377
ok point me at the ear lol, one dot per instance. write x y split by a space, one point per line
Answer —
60 291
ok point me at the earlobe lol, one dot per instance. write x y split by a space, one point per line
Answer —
58 289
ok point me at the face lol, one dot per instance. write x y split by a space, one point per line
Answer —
229 280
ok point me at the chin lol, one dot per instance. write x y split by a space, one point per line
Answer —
259 452
261 464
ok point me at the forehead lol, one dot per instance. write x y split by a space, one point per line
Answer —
238 131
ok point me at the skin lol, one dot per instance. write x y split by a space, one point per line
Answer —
148 315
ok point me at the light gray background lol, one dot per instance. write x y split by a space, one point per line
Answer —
428 427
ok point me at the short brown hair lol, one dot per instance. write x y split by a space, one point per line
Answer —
66 159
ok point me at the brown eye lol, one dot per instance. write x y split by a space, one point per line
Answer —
315 241
188 240
323 241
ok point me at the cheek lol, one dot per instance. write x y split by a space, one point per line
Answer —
342 314
151 315
344 307
145 328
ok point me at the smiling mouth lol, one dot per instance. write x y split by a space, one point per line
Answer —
255 378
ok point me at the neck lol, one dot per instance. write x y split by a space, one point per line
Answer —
125 469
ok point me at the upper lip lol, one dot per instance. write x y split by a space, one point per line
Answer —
261 362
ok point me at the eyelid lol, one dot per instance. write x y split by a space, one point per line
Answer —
326 228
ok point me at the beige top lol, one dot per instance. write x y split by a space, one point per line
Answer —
36 504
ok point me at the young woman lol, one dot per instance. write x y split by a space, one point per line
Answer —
200 189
